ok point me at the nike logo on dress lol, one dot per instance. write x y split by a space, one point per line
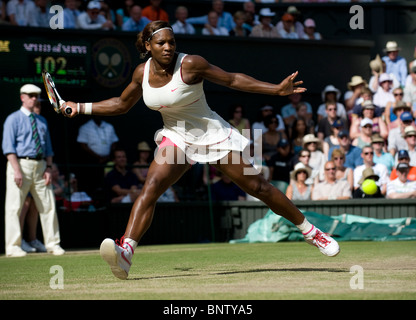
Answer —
173 90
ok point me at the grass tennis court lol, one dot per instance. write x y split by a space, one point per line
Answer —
220 271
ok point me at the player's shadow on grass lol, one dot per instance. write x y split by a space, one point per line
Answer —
341 270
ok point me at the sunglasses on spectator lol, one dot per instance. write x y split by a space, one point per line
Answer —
339 158
304 156
329 169
367 153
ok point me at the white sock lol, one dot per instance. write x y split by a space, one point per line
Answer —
305 227
131 242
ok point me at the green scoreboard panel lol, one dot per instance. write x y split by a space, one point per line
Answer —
23 59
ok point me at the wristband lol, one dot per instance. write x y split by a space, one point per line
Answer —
78 107
88 108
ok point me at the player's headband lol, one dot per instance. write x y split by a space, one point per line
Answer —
151 36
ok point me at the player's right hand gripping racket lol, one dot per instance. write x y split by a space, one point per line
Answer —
54 97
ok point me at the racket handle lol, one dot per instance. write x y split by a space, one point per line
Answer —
68 110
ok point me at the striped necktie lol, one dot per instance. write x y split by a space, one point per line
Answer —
35 134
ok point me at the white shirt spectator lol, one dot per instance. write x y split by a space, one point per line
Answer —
396 186
379 169
98 138
23 12
183 28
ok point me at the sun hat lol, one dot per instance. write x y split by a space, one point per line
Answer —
384 77
368 173
143 146
94 5
330 88
310 138
355 81
376 138
309 23
409 131
376 64
391 46
365 122
300 167
266 12
401 105
30 88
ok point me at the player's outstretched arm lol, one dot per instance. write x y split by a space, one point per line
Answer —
113 106
197 68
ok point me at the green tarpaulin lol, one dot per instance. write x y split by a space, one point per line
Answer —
345 227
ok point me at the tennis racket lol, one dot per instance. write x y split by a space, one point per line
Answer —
53 95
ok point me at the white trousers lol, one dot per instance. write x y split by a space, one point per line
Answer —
33 182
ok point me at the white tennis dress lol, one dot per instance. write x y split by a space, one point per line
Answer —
188 120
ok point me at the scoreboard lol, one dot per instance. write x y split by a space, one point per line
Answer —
23 59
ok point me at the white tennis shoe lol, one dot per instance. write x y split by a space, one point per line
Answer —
326 244
118 255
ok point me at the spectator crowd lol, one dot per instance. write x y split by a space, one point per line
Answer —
367 132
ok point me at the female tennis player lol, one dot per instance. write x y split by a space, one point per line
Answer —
172 83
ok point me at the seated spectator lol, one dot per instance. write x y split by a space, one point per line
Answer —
302 112
396 139
265 29
154 11
317 159
143 159
395 109
264 111
410 138
237 119
71 13
366 132
358 193
123 13
331 188
91 19
280 165
383 94
41 14
289 112
298 27
226 190
181 26
107 11
122 184
271 138
287 32
352 154
342 172
378 67
379 169
403 157
303 156
401 187
331 95
394 63
298 189
310 30
21 13
332 140
410 89
326 123
251 18
136 22
297 132
353 96
225 19
240 30
168 196
368 111
211 28
380 155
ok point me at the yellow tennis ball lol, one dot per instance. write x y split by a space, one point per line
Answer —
369 187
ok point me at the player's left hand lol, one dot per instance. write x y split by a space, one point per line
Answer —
73 106
288 86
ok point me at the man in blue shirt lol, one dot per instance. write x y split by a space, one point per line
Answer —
225 19
136 22
394 63
27 146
